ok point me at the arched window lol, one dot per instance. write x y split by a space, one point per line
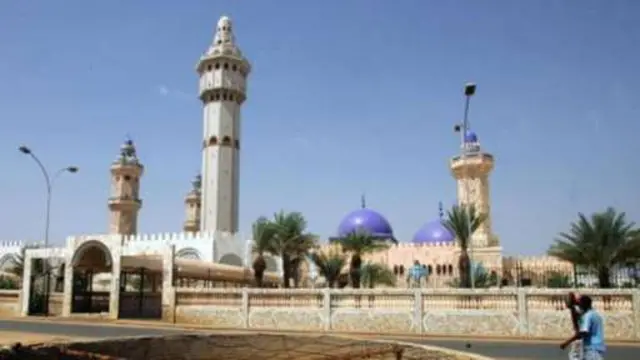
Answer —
213 141
226 141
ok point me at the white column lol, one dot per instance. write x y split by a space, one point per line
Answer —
168 290
114 292
67 295
27 264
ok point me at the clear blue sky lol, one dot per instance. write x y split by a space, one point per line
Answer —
345 97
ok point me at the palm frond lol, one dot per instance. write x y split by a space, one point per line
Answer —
463 221
377 274
329 265
601 242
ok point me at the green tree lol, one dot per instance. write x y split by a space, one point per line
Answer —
558 280
291 241
377 274
459 220
482 279
263 232
329 266
603 242
358 244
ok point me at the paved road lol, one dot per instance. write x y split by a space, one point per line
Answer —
497 349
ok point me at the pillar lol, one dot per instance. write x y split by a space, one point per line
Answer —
114 291
27 264
67 295
168 290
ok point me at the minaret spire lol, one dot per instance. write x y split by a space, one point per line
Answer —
363 201
440 210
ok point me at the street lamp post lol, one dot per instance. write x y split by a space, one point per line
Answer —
469 91
49 181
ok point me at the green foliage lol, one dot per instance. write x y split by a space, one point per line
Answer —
377 274
602 242
357 244
329 266
463 221
285 236
482 279
558 280
8 283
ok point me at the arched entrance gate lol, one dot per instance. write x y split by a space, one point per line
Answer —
92 263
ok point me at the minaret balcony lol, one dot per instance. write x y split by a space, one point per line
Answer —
124 201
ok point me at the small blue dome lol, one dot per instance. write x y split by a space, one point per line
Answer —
470 137
365 220
433 232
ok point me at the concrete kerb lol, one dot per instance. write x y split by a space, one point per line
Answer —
203 328
455 353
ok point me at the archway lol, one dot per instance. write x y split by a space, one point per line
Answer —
7 262
88 296
231 259
189 253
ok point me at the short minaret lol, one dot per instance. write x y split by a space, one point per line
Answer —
223 72
192 206
125 202
472 174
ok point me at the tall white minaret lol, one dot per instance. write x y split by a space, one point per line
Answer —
223 74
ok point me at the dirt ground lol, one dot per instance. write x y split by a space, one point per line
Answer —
12 337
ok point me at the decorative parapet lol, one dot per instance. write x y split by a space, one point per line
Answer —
534 313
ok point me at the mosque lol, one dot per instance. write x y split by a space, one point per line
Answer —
210 228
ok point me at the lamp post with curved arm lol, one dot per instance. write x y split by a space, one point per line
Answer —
49 181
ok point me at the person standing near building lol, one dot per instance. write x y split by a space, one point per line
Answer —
416 274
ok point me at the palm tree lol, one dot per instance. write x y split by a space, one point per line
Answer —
263 231
357 244
603 242
463 221
329 266
291 241
377 274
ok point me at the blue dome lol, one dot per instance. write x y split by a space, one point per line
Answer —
365 220
470 137
433 232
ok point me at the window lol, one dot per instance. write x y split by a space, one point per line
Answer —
209 67
226 66
127 178
226 141
234 67
217 66
213 141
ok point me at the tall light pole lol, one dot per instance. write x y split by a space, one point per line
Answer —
49 181
469 91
